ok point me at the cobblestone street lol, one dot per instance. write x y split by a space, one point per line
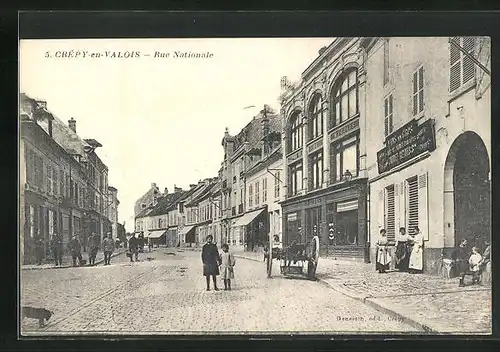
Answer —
165 294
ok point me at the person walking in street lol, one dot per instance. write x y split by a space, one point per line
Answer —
402 250
211 260
93 247
133 245
108 247
461 258
39 249
227 266
383 255
57 249
416 263
474 263
75 248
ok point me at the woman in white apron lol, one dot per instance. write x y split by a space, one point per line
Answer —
416 264
383 256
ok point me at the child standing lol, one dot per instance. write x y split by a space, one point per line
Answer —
474 262
227 267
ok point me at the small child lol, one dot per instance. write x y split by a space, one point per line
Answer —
474 262
227 266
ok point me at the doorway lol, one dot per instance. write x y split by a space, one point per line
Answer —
467 190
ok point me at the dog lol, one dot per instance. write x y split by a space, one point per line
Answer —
41 314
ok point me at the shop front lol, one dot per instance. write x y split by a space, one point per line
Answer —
338 215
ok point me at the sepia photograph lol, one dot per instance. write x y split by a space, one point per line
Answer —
255 186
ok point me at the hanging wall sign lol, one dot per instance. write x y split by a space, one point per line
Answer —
406 143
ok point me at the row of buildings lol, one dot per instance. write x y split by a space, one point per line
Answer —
378 133
63 183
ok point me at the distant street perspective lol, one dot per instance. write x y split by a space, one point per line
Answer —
333 186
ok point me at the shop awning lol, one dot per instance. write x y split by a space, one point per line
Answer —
156 234
187 229
248 217
347 206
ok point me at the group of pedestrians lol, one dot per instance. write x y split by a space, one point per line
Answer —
409 252
469 260
75 249
215 264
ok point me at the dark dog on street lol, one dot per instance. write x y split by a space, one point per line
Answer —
41 314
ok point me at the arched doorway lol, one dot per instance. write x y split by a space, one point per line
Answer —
467 209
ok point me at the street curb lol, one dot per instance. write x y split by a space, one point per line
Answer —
71 266
369 302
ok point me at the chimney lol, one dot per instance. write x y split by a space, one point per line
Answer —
153 185
42 103
165 191
72 124
191 186
322 50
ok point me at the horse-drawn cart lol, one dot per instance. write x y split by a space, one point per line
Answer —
296 259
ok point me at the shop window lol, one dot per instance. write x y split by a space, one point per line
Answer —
295 178
293 227
316 161
316 117
347 224
313 223
388 115
411 203
346 157
390 214
345 98
462 68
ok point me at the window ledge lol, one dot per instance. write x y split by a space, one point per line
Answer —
457 93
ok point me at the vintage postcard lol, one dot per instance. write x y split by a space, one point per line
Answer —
328 186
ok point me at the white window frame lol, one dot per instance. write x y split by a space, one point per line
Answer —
418 96
388 114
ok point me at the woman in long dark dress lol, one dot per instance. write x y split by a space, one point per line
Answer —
403 250
211 260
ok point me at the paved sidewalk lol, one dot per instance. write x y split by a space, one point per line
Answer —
68 261
431 303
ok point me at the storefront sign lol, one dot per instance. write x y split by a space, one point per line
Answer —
406 143
314 146
344 130
295 156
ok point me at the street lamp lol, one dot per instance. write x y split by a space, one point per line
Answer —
347 176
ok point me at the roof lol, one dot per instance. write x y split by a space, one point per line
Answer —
165 203
68 139
201 192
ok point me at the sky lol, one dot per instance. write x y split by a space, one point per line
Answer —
160 119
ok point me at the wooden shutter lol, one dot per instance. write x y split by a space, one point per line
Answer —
455 65
421 89
412 219
468 66
423 207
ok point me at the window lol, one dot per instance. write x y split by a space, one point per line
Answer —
257 193
296 178
461 67
295 132
55 185
181 208
316 170
316 116
390 214
250 195
68 189
277 185
345 98
48 173
386 62
32 221
242 198
346 158
412 203
51 222
30 165
61 183
264 189
418 91
388 115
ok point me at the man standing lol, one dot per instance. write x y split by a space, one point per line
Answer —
108 246
39 249
57 249
133 243
75 248
461 256
94 247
